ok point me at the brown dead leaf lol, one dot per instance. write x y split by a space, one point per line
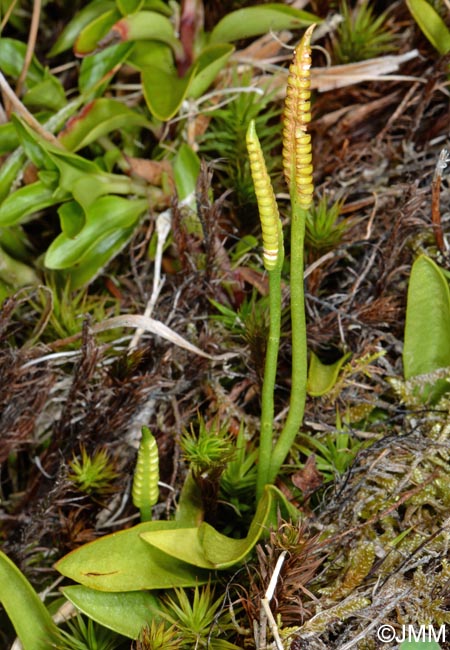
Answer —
308 479
151 170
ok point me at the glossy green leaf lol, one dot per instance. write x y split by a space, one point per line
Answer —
95 31
98 69
147 26
31 620
322 377
208 65
35 147
12 57
427 329
124 562
129 6
9 171
106 214
47 93
205 547
158 5
14 273
164 92
97 257
124 612
431 24
81 19
9 140
253 21
152 54
96 119
19 206
72 218
186 169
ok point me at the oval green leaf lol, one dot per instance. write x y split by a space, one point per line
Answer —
28 614
322 377
81 19
98 69
106 214
96 119
146 26
124 612
94 31
254 21
164 92
427 330
208 65
19 206
124 562
205 547
431 24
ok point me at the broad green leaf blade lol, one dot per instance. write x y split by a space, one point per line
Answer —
124 562
94 31
81 19
72 218
254 21
205 546
129 6
427 329
97 119
124 612
164 92
13 273
431 24
19 206
31 620
107 214
322 377
12 57
94 260
9 171
98 69
186 169
146 26
208 65
35 147
46 94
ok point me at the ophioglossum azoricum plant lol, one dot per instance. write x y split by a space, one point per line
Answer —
298 170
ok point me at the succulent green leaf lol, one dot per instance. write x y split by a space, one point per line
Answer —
81 19
19 206
10 168
124 612
205 547
9 139
254 21
124 562
72 218
164 92
47 93
98 118
12 56
209 64
129 6
31 620
94 31
322 377
431 24
147 26
107 214
427 329
35 147
97 69
186 169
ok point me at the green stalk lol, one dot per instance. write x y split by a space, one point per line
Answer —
268 389
299 357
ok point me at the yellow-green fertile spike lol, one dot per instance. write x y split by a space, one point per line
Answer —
145 490
297 158
272 235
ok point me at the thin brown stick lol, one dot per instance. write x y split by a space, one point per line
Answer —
32 36
15 102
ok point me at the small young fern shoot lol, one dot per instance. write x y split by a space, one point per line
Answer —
145 489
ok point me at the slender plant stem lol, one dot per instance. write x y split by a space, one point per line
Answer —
299 356
270 373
